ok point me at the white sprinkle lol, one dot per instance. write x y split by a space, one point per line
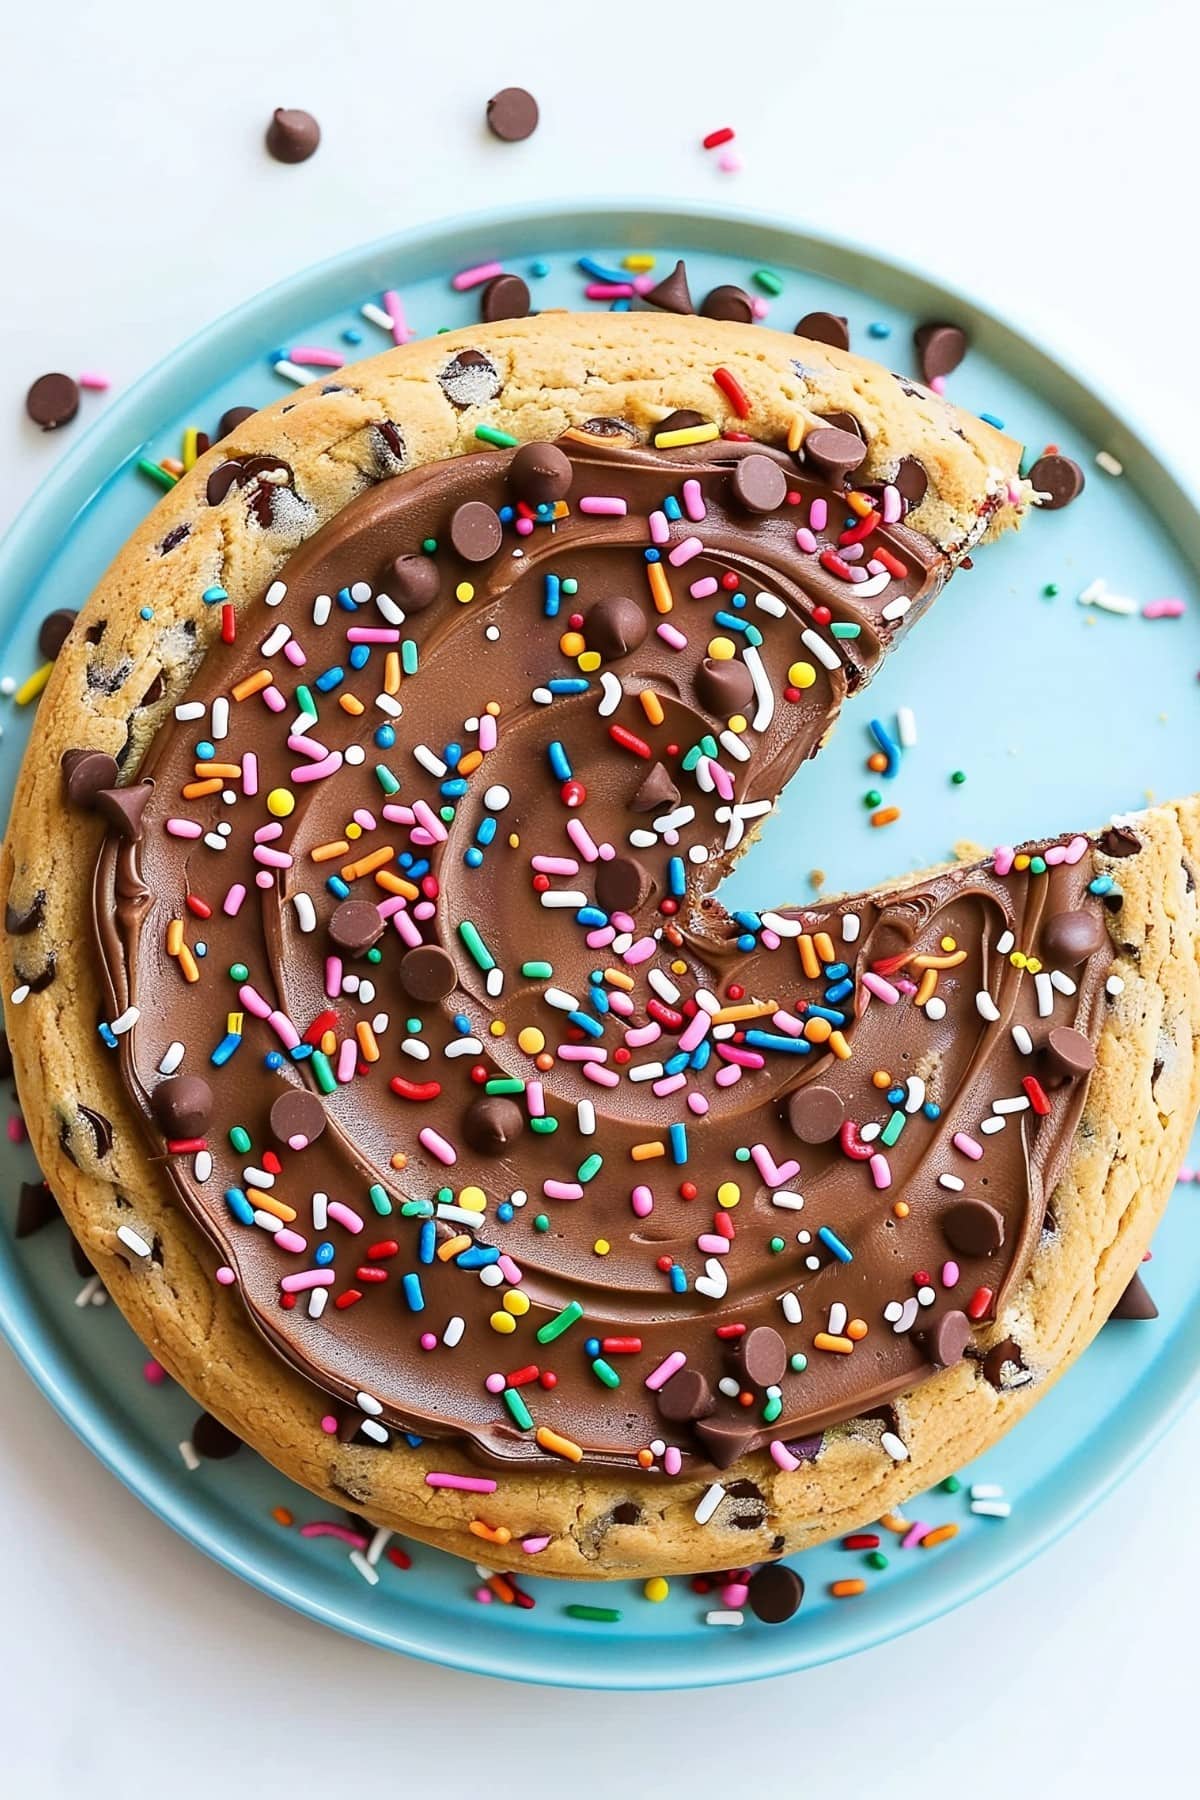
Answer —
292 372
491 1275
454 1331
322 607
378 1543
870 1131
896 1448
645 1071
675 821
541 696
764 692
414 1047
493 983
642 840
989 1127
463 1046
986 1490
851 926
986 1007
355 755
992 1509
1004 943
1061 983
786 1201
317 1301
1114 985
190 709
564 897
585 1117
926 1296
202 1168
369 1404
735 745
220 718
895 609
663 986
611 696
724 1618
496 798
458 1215
916 1094
1018 1103
191 1461
388 705
356 1558
892 1311
306 912
823 651
275 640
320 1211
172 1058
360 592
907 1315
790 1304
769 603
906 726
709 1503
837 1319
213 841
1022 1040
375 315
784 928
91 1293
372 1429
132 1241
428 760
935 1009
1107 461
952 1182
392 613
561 1000
729 1387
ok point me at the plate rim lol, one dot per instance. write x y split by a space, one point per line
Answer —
1044 1520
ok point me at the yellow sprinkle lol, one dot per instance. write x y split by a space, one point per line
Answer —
1021 862
678 968
190 452
722 649
728 1194
531 1040
497 1028
29 690
1018 959
464 592
281 803
516 1302
949 943
514 840
639 262
801 675
795 436
589 662
739 723
493 707
354 831
861 504
602 1246
839 1046
234 1022
691 434
1033 964
472 1199
329 1042
656 1589
818 1031
652 706
558 1446
750 1009
503 1322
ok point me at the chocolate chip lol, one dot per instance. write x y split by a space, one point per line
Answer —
512 115
728 303
946 1339
759 484
815 1114
475 531
615 626
1071 937
672 293
760 1356
123 807
1135 1302
682 419
213 1440
85 772
53 400
36 1208
1057 480
622 884
101 1128
6 1061
940 348
657 789
39 982
724 1440
223 479
172 541
973 1228
825 328
355 926
292 135
504 297
391 452
685 1398
1002 1364
724 688
540 474
1119 841
231 418
608 427
428 973
911 481
626 1512
1070 1054
490 1125
297 1118
845 421
414 582
833 453
182 1105
54 631
19 921
470 379
775 1593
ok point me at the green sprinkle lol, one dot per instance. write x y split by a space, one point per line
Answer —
518 1408
305 701
840 629
600 1615
590 1166
417 1209
239 1137
414 1027
429 546
605 1373
571 1313
772 1409
446 815
872 797
958 777
570 585
951 1485
1050 590
409 659
777 1245
768 281
537 971
238 972
1037 865
893 1128
741 1154
504 1085
503 440
379 1199
541 1222
388 782
875 1559
798 1362
324 1075
161 476
375 954
544 1127
476 947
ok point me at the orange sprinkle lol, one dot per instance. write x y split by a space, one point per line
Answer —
197 790
941 1535
399 1160
881 1079
861 504
367 865
453 1247
558 1446
857 1330
278 1209
396 884
846 1590
282 1516
900 1209
367 1042
227 771
618 977
647 1152
391 673
877 762
652 706
660 587
350 703
818 1031
894 1522
823 945
928 987
753 1009
645 1459
468 764
825 1340
940 962
329 1042
502 1588
174 937
172 465
251 684
808 956
492 1534
887 815
327 852
188 963
839 1046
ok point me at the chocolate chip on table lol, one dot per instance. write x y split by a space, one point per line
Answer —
775 1593
940 348
297 1118
504 297
1058 479
490 1125
1071 937
355 925
475 531
231 418
672 293
973 1228
36 1208
213 1440
292 135
427 973
759 484
54 631
724 688
825 328
1135 1302
540 474
615 626
728 302
834 453
512 115
53 400
815 1114
182 1105
414 582
85 772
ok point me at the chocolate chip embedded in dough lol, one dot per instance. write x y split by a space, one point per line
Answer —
775 1593
672 293
414 582
1071 937
759 484
123 807
728 302
685 1398
614 626
1135 1302
1119 841
815 1114
683 419
622 884
940 348
834 453
973 1228
1058 479
428 973
475 531
540 474
1002 1364
182 1105
20 920
470 379
657 790
297 1118
491 1124
504 297
825 328
911 481
355 926
946 1339
724 688
760 1356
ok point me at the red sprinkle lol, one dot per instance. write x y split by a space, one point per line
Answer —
861 1540
415 1090
856 533
714 138
832 561
522 1377
351 1297
1037 1095
228 624
725 1332
733 392
626 1346
629 740
201 908
891 563
366 1273
401 1558
326 1021
978 1304
186 1146
385 1248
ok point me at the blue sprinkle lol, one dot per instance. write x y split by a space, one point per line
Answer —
678 1280
462 1024
888 745
539 267
301 1052
677 877
146 612
213 596
598 272
591 916
877 329
677 1063
324 1255
894 1096
560 762
677 1134
592 1027
834 1243
1103 884
841 990
225 1049
749 920
452 755
505 1212
108 1035
426 1241
932 1110
768 1040
473 857
622 305
385 737
351 336
412 1440
835 971
598 998
330 679
360 656
731 622
413 1293
651 556
479 1256
273 1060
991 419
672 508
551 590
486 832
417 869
738 600
568 684
455 788
346 600
337 887
205 751
591 1346
239 1206
747 941
701 1054
826 1012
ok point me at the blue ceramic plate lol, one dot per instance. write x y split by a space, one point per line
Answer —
1058 714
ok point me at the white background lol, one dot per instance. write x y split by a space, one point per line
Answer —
1043 155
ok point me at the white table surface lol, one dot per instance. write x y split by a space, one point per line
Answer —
1020 151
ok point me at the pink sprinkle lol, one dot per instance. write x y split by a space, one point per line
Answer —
307 1278
672 1459
672 636
345 1216
495 1384
660 530
1163 609
231 905
669 1084
949 1274
760 307
253 1001
881 1170
465 1484
601 938
782 1457
292 1242
508 1268
562 1190
697 1104
436 1144
329 1425
372 634
306 746
621 1004
893 508
249 774
967 1145
489 734
711 1245
555 865
882 990
806 540
531 1546
670 1365
938 384
736 1594
225 1276
326 1528
693 501
609 290
607 1078
704 588
94 381
638 1036
273 700
637 953
605 506
469 278
684 552
913 1536
317 771
729 162
642 1202
284 1030
312 356
428 1341
484 1596
818 514
393 306
1003 859
184 828
582 839
294 654
154 1373
347 1059
535 1099
272 859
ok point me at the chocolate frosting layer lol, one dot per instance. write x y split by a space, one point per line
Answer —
506 1130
